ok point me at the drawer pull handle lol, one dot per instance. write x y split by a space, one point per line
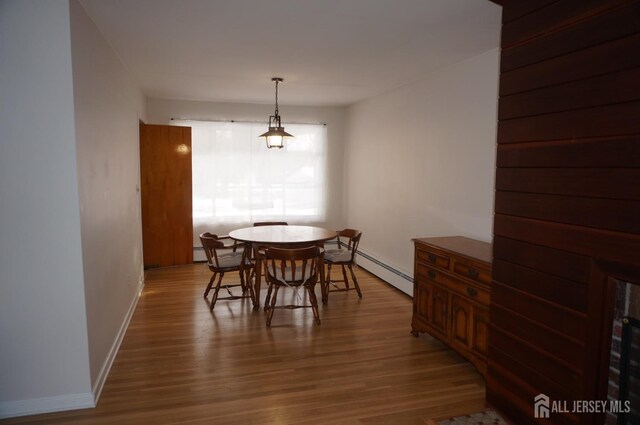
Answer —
472 292
431 274
432 258
473 273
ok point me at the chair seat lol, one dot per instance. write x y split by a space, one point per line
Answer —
287 279
228 260
337 255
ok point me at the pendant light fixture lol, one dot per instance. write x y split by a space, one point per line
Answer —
275 135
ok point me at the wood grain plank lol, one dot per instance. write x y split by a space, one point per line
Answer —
557 290
597 60
554 17
528 383
606 245
609 152
517 392
608 120
513 9
611 183
564 320
565 347
564 264
616 87
567 376
614 23
610 214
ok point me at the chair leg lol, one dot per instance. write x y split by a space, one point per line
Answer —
252 276
327 284
314 304
244 273
355 281
206 291
266 301
344 276
243 284
249 276
249 283
272 307
215 293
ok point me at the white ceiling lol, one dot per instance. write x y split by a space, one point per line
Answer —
330 52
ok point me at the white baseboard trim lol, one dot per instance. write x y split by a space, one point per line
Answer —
10 409
386 272
98 385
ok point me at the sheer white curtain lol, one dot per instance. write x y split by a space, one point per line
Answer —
237 180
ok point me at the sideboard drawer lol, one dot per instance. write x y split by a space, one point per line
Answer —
468 289
472 292
436 258
472 271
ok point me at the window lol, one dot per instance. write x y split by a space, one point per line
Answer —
237 180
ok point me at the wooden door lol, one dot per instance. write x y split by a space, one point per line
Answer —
165 177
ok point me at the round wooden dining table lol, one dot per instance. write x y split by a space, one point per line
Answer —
282 237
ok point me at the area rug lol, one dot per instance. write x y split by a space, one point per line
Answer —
488 417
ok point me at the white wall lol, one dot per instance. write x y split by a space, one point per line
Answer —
160 111
43 334
70 231
420 161
108 104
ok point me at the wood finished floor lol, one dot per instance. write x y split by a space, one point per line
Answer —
179 363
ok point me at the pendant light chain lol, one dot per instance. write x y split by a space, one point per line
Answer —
276 97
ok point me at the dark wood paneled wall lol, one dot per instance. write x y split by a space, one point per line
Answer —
567 208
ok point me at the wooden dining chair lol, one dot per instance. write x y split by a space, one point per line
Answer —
344 256
260 224
293 268
223 258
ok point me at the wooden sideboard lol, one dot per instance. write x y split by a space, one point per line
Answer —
451 294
